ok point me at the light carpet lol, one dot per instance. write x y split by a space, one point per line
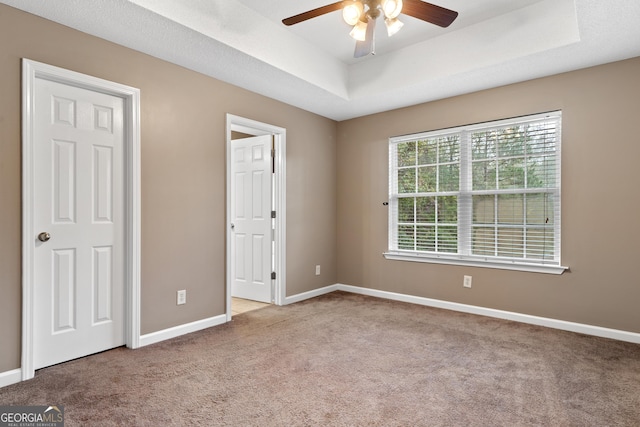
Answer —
351 360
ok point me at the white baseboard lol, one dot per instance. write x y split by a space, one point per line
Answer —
310 294
10 377
176 331
500 314
15 376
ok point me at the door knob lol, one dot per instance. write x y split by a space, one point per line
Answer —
44 236
233 226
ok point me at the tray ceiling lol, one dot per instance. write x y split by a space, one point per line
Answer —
310 65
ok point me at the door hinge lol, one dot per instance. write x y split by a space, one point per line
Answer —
273 276
273 214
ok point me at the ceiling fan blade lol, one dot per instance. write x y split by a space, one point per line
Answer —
429 12
312 13
368 46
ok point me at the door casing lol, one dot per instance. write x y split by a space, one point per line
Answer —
31 70
255 128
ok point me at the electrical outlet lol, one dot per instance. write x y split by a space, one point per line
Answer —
467 281
182 297
317 270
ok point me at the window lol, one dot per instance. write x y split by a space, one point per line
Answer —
485 195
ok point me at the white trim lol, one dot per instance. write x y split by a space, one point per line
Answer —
10 377
310 294
252 127
480 262
580 328
177 331
131 96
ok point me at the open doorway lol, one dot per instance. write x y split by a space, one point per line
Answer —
256 216
241 305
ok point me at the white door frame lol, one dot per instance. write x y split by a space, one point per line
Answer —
254 128
131 96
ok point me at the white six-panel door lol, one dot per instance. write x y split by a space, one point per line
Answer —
251 175
79 202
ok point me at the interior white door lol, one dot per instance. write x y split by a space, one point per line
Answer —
251 170
78 219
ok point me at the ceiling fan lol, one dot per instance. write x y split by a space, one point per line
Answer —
363 14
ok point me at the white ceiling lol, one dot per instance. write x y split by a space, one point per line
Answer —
310 65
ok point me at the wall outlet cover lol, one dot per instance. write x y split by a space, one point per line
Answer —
467 281
182 297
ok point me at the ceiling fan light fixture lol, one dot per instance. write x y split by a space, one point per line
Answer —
391 8
362 15
352 12
359 31
393 26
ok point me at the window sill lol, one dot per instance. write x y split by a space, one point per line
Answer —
476 262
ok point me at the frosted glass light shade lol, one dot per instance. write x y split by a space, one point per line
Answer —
351 12
393 26
391 8
359 31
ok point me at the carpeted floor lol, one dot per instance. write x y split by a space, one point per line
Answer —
350 360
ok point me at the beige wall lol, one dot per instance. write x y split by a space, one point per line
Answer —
183 175
600 200
336 183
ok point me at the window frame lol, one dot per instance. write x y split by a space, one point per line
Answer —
463 255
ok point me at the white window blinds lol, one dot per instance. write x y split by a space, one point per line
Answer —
488 191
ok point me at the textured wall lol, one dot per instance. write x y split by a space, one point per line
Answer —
600 200
183 175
